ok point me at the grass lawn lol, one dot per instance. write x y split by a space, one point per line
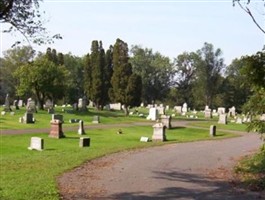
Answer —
43 118
229 126
31 175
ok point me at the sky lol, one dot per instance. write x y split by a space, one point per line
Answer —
170 27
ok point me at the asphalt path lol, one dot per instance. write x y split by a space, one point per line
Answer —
195 170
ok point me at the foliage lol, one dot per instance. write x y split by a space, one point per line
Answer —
156 71
43 78
208 74
13 58
97 75
254 71
122 71
24 16
250 171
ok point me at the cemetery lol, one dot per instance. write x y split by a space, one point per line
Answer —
79 138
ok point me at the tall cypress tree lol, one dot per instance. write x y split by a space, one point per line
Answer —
122 86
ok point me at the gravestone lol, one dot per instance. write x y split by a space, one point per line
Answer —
95 120
166 120
20 103
58 117
27 118
153 114
161 110
74 120
222 119
84 142
31 106
48 104
7 104
239 120
56 129
144 139
221 110
208 113
232 112
3 113
15 104
185 108
178 109
82 103
36 143
115 106
212 130
81 130
159 132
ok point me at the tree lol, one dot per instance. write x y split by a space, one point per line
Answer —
13 58
43 78
248 11
185 76
254 71
24 16
156 71
97 75
208 74
121 80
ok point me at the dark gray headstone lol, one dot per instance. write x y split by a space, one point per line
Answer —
84 142
212 130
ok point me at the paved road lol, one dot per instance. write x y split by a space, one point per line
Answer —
197 170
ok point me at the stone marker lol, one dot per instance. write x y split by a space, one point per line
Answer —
153 114
185 108
208 113
212 130
222 119
7 104
96 120
56 129
57 116
144 139
239 120
159 132
81 130
166 120
74 120
36 143
27 118
84 142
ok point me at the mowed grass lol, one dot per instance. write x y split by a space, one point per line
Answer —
32 175
43 119
228 126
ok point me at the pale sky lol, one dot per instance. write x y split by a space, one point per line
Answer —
169 27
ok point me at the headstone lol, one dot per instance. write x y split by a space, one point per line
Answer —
20 103
185 108
81 130
208 113
159 133
82 103
48 104
58 117
178 109
28 118
232 111
167 107
239 120
222 119
36 143
31 106
12 113
3 113
74 120
144 139
153 114
96 120
7 104
56 129
84 142
262 117
212 130
221 110
161 110
115 106
15 104
166 120
50 110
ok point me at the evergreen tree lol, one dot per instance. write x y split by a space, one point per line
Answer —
122 83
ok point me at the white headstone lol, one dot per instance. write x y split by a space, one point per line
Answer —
36 143
153 114
222 119
144 139
159 133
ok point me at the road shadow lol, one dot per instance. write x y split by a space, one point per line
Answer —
189 186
